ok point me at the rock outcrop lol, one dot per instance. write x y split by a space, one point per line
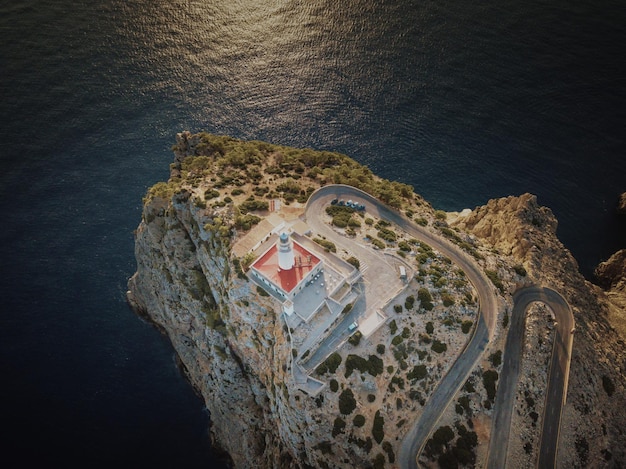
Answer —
235 348
592 427
621 204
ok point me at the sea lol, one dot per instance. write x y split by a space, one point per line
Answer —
465 101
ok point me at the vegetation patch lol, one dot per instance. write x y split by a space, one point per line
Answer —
490 377
418 372
327 245
438 346
359 420
378 428
330 365
373 365
347 402
338 426
426 300
495 279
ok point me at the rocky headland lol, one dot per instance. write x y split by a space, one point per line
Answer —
194 246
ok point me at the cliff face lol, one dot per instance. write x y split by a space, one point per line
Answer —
593 419
234 353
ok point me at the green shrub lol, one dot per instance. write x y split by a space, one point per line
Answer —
466 326
397 308
496 358
409 302
347 402
418 372
489 381
330 365
438 346
211 194
387 448
397 340
380 348
425 299
338 426
377 429
327 245
325 447
430 327
447 299
251 205
354 261
355 338
371 398
404 246
378 243
393 327
495 279
261 291
379 461
387 234
505 319
358 421
373 365
334 385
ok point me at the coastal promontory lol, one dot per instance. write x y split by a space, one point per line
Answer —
330 318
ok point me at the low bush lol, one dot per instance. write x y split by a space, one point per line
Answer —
496 358
466 326
495 279
355 338
489 381
354 261
426 300
373 365
330 365
358 421
338 426
327 245
378 243
418 372
438 346
347 402
377 429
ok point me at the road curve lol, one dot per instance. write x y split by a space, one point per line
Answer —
458 373
557 383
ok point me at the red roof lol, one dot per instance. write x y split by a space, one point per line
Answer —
305 262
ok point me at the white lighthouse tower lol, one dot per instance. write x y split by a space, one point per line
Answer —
285 252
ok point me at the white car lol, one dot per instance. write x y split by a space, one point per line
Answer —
353 326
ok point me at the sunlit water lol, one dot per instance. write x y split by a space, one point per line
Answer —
464 102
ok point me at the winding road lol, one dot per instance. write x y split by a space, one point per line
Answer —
460 370
557 382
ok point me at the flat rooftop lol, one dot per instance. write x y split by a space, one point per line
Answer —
305 262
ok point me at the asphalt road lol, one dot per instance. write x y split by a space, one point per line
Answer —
557 382
462 367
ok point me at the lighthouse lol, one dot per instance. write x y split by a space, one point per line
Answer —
285 252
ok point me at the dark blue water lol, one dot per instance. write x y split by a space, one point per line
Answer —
465 102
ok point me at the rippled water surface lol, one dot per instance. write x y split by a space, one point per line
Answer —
465 102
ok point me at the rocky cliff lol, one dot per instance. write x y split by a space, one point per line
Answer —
237 352
593 420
